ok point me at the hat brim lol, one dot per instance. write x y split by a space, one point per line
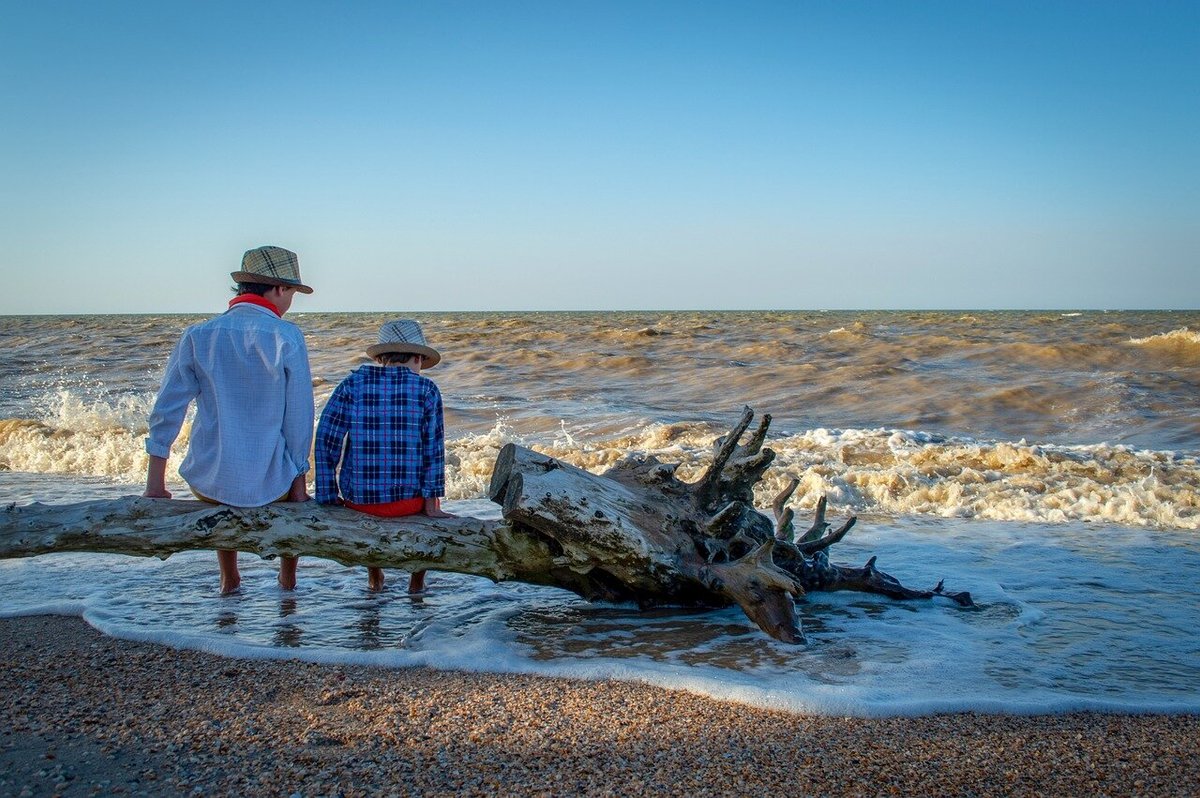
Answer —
431 355
251 277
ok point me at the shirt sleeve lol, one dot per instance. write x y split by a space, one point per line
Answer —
331 433
433 469
179 388
298 410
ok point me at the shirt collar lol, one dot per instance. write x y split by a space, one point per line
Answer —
255 299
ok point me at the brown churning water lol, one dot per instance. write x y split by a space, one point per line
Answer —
1041 416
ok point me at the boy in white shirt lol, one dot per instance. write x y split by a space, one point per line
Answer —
247 370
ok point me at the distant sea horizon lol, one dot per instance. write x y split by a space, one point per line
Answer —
296 311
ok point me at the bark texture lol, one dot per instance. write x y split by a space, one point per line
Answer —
648 536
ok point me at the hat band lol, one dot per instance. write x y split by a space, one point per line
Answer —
267 279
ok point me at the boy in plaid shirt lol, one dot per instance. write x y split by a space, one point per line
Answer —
383 424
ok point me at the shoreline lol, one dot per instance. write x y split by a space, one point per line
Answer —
85 714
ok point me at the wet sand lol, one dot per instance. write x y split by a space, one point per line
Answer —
84 714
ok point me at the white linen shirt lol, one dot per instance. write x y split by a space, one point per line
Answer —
247 370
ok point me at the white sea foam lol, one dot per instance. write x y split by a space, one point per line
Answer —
1182 335
905 473
469 460
1180 338
887 471
82 435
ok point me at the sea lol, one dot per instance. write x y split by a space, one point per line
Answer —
1046 462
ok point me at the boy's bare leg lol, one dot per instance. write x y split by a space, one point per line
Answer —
433 509
374 578
297 492
287 571
231 580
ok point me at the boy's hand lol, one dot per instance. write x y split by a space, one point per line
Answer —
156 479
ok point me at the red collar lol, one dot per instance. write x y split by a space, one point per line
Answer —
255 299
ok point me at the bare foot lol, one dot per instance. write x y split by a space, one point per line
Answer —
416 582
374 579
231 580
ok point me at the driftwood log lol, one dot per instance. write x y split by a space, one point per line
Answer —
635 533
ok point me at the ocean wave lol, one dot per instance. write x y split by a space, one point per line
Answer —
76 434
906 473
854 332
1047 355
884 471
32 446
1181 341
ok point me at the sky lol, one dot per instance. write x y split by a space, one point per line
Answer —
443 155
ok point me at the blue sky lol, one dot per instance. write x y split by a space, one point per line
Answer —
588 155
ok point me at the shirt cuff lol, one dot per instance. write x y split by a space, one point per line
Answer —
157 449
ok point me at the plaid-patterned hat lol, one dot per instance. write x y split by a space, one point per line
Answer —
273 266
404 335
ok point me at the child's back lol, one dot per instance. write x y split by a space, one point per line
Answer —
380 446
391 419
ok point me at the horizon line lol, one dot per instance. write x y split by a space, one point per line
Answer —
295 313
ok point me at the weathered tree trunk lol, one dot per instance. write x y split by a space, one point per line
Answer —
640 529
161 527
635 533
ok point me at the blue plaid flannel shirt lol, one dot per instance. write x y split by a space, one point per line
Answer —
395 450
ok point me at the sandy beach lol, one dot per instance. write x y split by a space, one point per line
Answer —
85 714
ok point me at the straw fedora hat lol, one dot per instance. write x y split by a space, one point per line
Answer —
405 336
272 266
